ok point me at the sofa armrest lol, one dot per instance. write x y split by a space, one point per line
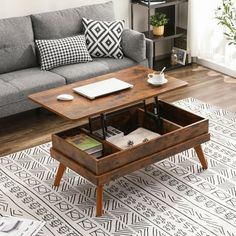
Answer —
133 45
137 47
149 52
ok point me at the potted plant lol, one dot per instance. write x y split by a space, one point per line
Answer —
226 16
158 21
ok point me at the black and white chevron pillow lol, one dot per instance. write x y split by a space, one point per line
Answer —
103 38
58 52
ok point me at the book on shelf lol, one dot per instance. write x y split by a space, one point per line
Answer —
136 137
86 143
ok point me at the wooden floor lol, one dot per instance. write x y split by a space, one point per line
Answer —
32 128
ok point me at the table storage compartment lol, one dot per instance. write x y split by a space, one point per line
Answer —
174 125
60 144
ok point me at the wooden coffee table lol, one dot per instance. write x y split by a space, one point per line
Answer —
126 110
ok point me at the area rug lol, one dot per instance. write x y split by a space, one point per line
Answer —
174 197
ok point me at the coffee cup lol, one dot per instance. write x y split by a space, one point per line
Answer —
156 77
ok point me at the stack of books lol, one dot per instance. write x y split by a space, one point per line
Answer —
87 144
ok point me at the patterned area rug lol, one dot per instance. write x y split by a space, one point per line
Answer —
174 197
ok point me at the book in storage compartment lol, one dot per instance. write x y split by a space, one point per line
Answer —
86 143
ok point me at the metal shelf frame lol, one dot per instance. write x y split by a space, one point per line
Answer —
172 31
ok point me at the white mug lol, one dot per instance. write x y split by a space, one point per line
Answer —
156 77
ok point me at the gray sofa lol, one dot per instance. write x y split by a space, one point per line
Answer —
20 73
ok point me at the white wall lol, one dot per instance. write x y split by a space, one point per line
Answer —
11 8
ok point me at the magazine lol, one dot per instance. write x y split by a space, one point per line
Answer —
13 226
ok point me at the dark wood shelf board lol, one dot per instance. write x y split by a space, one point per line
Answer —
159 5
165 62
170 33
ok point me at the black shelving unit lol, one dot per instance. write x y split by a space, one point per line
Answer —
172 31
158 64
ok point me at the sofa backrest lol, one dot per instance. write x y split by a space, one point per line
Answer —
56 24
17 35
66 23
17 50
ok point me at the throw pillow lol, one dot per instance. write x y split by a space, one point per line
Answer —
58 52
103 38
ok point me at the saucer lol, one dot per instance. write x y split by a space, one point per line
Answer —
150 81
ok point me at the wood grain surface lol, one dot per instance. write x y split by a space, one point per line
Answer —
130 167
32 128
82 107
191 127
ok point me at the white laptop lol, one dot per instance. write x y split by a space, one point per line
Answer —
101 88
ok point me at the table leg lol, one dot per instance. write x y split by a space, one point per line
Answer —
201 156
99 200
60 172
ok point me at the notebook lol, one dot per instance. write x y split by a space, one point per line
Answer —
102 88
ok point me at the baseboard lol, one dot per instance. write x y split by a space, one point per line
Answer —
217 67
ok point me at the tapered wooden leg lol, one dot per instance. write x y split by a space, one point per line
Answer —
60 171
201 156
99 200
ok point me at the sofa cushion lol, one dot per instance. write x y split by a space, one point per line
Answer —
32 80
103 38
58 52
102 11
57 24
17 57
77 72
114 64
16 107
17 49
8 93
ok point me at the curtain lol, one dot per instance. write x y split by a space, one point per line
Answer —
206 38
